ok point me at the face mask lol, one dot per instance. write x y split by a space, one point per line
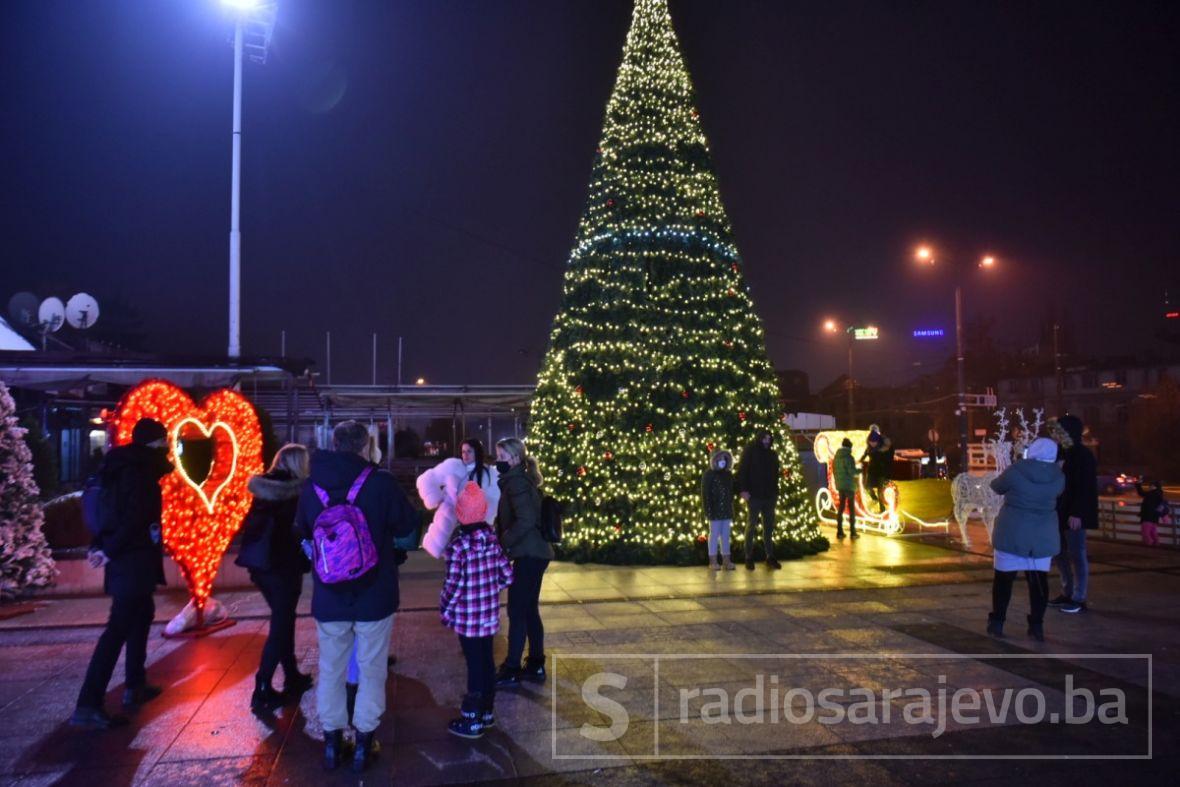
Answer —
469 465
720 464
503 467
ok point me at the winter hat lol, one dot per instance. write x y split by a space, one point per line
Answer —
1042 450
718 455
148 430
846 443
472 505
1073 427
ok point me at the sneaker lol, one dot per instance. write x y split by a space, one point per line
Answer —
507 677
469 726
773 564
138 695
488 718
855 534
1060 600
749 564
1073 607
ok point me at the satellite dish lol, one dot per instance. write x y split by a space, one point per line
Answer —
51 315
82 311
22 308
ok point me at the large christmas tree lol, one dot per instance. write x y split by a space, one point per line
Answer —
656 357
25 561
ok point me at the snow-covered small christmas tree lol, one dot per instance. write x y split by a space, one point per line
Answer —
25 561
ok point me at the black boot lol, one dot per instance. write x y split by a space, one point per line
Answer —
470 722
350 699
488 715
773 564
1036 629
995 625
534 669
295 683
264 699
366 750
840 533
507 677
333 749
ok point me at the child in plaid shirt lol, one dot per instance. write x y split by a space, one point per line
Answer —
477 570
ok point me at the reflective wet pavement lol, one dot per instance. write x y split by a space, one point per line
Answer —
895 612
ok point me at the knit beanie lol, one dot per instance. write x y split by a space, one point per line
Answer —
148 430
472 505
1042 450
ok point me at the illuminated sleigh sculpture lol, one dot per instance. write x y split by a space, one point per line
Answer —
888 522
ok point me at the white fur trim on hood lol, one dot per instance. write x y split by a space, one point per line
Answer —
439 488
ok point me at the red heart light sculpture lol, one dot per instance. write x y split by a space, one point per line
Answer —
200 518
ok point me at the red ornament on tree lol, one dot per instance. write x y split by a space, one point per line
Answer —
700 214
608 456
650 428
578 390
741 416
610 203
582 470
685 394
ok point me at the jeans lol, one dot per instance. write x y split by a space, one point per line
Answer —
481 668
760 508
336 640
1073 564
128 625
845 500
719 535
282 596
1038 594
524 611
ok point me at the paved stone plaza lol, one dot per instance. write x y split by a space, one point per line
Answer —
871 615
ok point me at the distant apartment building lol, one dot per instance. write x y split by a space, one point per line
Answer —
1101 394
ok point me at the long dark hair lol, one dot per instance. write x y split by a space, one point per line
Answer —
481 467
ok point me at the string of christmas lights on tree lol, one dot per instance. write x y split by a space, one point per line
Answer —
657 357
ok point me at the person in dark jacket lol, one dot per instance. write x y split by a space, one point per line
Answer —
518 525
1025 536
1151 508
270 550
360 609
1077 512
717 495
844 470
878 457
129 546
757 481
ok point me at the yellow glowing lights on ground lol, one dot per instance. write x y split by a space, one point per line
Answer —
197 526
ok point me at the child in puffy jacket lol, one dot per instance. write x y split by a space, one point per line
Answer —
717 496
1151 510
477 570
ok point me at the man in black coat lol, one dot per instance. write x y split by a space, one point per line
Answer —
358 610
129 546
1077 512
757 481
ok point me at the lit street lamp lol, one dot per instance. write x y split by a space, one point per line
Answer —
926 256
854 334
254 22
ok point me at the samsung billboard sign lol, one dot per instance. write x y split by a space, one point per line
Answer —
929 333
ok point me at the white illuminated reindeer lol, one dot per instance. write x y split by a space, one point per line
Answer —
974 492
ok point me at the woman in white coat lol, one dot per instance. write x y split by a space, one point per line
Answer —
439 488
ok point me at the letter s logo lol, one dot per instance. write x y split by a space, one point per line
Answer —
619 718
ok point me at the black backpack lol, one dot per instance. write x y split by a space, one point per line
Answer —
551 513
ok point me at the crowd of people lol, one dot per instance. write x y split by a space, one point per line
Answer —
341 517
337 515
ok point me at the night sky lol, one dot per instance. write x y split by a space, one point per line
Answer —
418 167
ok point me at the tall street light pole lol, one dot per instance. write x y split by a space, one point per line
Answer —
254 22
924 254
854 334
235 203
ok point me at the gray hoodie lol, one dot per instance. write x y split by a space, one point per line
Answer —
1027 523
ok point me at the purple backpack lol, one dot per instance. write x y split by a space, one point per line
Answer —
341 542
